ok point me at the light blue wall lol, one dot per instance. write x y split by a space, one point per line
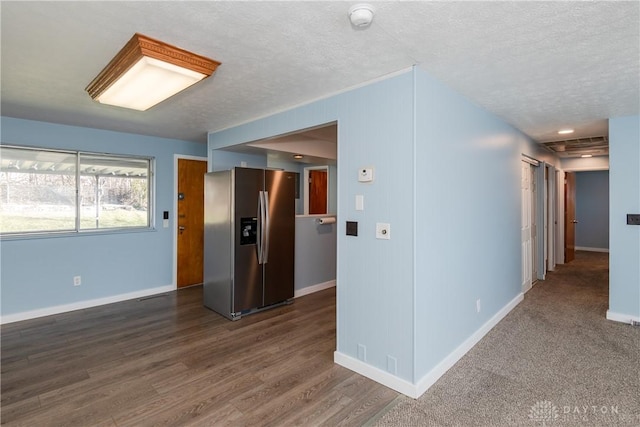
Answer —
592 209
333 190
220 160
375 277
467 218
315 252
37 272
447 179
624 198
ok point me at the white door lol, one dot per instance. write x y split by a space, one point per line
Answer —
551 218
533 214
527 241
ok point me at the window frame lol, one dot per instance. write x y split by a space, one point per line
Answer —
78 231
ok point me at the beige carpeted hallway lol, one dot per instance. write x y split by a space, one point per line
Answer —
554 360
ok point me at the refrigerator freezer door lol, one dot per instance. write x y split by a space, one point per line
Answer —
218 257
247 283
279 270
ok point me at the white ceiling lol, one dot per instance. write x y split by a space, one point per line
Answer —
538 65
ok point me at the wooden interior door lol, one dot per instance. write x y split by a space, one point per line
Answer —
569 216
317 192
190 221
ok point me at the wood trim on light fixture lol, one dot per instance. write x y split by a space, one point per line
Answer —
140 46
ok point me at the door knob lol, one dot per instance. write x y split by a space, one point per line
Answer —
574 221
181 228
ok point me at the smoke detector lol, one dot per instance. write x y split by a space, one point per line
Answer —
361 15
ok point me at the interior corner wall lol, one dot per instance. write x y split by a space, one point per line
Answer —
468 207
624 198
36 273
374 277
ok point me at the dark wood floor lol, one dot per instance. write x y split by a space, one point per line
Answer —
169 361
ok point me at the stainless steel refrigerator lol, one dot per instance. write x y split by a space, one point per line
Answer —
249 240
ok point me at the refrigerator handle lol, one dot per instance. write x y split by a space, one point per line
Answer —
259 231
266 234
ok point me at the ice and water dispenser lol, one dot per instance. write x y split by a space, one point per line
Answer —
248 231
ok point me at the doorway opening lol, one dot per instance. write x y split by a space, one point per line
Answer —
586 211
312 153
316 190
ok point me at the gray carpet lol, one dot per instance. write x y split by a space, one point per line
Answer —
554 360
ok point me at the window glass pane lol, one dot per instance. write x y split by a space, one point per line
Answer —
114 192
37 190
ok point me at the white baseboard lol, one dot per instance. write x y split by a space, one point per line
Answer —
623 318
442 367
314 288
378 375
64 308
584 248
417 390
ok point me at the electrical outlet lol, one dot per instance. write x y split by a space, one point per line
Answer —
478 306
392 365
383 231
362 352
77 280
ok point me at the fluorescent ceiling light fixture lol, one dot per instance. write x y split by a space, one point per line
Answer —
146 72
565 131
584 156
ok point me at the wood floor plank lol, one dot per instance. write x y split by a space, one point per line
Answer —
226 415
20 390
85 391
171 361
314 392
360 411
189 401
17 410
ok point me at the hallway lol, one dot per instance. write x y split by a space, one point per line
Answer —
554 359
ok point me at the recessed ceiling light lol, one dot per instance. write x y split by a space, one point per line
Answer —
586 155
298 156
565 131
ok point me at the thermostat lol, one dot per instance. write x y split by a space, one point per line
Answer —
365 175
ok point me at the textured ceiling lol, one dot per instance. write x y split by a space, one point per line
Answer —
538 65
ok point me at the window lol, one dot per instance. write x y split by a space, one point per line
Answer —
46 191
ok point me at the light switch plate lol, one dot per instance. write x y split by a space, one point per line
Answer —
352 228
383 231
633 219
359 202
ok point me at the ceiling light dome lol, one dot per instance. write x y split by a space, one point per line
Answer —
361 15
